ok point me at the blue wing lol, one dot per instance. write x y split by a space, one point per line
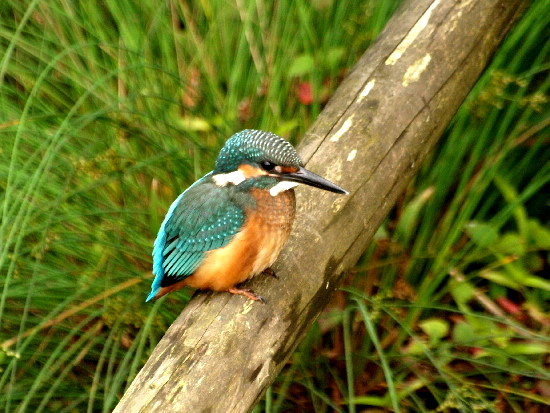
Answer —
202 218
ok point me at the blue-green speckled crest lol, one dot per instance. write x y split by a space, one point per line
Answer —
255 146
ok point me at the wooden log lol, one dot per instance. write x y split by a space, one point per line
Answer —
223 350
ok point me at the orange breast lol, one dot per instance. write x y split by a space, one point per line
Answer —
252 250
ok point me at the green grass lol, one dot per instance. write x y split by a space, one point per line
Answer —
108 111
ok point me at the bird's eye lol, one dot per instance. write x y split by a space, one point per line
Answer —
268 166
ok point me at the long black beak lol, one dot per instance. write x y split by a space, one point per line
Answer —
304 176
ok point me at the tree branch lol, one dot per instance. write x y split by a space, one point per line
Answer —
223 351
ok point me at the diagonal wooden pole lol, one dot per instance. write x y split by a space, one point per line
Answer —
223 351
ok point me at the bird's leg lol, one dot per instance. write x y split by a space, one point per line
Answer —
247 293
271 273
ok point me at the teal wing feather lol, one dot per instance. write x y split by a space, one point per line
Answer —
203 218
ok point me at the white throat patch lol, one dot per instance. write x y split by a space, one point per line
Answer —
235 178
281 187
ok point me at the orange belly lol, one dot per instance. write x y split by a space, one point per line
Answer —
254 248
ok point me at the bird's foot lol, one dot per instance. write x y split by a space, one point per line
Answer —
247 293
271 273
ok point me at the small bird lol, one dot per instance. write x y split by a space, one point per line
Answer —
231 224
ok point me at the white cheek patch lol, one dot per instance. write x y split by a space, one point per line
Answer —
281 187
234 178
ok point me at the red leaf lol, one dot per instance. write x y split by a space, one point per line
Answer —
509 306
474 351
304 93
244 110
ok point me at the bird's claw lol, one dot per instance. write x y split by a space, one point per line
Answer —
271 273
248 294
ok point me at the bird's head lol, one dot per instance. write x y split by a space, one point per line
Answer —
267 160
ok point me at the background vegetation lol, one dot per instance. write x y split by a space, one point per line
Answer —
109 109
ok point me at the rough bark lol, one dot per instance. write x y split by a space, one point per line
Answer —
223 350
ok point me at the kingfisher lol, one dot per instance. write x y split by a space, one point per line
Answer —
231 224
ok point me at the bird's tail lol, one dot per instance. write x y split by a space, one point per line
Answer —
153 295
